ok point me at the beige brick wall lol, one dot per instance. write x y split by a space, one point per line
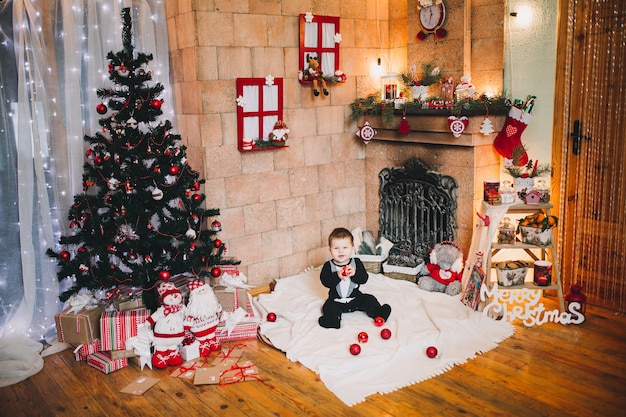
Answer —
278 207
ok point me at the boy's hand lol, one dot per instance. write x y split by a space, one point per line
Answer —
347 271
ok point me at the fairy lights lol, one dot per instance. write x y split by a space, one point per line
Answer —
31 127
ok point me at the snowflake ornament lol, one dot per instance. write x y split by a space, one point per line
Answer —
241 101
337 37
366 132
269 80
308 17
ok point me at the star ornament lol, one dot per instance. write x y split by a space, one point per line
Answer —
337 37
308 17
269 81
241 102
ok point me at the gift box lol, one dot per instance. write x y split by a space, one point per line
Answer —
82 351
190 351
120 354
132 304
117 326
78 328
188 369
246 327
103 362
231 298
240 372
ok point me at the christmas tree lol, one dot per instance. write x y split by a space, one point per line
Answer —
139 220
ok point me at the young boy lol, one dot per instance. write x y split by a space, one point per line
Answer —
342 275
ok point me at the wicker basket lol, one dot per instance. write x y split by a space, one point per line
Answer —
373 263
401 272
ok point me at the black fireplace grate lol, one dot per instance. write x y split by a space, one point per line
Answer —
417 206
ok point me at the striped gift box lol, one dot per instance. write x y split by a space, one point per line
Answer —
104 363
82 351
117 326
244 330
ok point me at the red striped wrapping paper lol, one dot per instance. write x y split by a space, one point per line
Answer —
82 351
117 326
104 363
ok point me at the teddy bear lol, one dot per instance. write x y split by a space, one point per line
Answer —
444 270
203 315
314 73
168 323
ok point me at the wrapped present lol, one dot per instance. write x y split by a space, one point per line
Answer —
119 354
103 362
131 304
243 330
78 328
190 351
238 321
188 369
228 357
117 326
83 350
240 372
231 298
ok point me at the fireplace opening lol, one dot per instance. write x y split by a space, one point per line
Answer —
417 207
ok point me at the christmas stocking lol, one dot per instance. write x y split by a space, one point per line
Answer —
509 141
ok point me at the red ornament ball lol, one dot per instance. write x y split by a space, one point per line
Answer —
217 243
156 104
196 197
379 321
101 108
64 255
271 317
355 349
97 160
164 275
216 272
363 337
216 226
173 170
385 334
431 352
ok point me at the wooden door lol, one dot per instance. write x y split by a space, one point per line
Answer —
589 149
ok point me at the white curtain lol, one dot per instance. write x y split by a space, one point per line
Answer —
51 65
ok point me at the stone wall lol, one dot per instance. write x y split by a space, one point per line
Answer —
278 207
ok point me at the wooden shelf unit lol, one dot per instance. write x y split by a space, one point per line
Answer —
545 252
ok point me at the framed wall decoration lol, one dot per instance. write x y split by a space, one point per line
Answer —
260 124
320 37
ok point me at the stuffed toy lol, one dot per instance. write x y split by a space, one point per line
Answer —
444 271
314 73
169 330
203 314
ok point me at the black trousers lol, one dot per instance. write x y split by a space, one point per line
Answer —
365 302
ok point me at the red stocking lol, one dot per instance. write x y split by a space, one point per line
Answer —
509 140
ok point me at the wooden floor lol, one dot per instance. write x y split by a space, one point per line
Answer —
551 370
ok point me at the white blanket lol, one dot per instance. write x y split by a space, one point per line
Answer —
419 319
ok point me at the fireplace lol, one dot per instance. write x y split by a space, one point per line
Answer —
417 206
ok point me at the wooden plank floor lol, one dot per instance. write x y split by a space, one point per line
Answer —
551 370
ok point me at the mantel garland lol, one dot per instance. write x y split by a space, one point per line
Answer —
372 105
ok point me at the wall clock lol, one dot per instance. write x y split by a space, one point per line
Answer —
432 17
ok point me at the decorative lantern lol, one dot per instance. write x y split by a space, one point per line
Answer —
390 87
575 295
